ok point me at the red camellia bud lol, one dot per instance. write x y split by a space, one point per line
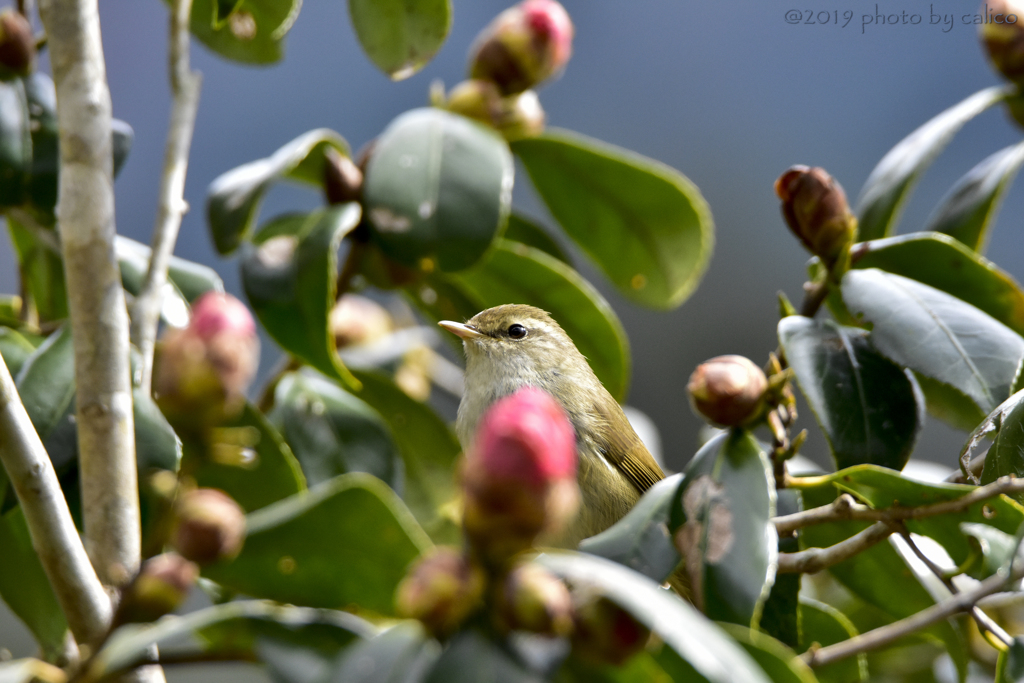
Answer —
17 44
208 526
728 390
815 208
1003 38
203 371
524 46
441 589
604 632
531 598
520 475
160 587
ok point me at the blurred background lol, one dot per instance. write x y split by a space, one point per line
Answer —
729 94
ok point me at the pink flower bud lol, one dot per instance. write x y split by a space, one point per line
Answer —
441 589
161 587
728 390
524 46
215 312
208 526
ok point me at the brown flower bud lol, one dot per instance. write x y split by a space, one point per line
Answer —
343 181
515 117
208 526
160 587
441 590
356 320
815 208
17 44
1003 37
604 632
728 390
524 46
530 598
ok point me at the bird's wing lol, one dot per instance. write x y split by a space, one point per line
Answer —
624 449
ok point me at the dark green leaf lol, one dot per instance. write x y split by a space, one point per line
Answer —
429 452
25 587
1006 455
472 657
515 273
870 409
46 384
779 618
941 262
948 404
825 625
248 460
698 648
644 224
936 334
42 270
968 211
15 143
15 349
720 519
291 285
332 432
156 444
526 231
641 540
346 542
253 32
778 661
233 198
191 279
42 109
401 36
122 138
439 187
1015 661
991 424
894 177
995 548
640 668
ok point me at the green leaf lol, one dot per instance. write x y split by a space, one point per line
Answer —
472 657
644 224
401 36
968 211
778 661
640 668
42 108
991 424
780 618
191 279
641 540
332 432
25 587
721 520
15 349
291 284
46 384
122 138
894 177
43 272
133 262
401 653
994 546
515 273
156 444
941 262
1006 455
697 647
937 335
1015 662
825 625
948 404
252 33
526 231
248 460
233 198
870 409
438 186
346 542
15 143
429 453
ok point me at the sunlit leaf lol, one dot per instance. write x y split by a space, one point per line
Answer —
252 32
401 36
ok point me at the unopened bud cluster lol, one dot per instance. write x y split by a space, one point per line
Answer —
815 208
160 587
514 116
728 390
441 589
203 371
208 526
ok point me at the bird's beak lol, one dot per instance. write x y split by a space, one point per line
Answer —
461 330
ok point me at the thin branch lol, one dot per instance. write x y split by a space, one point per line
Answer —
815 559
81 596
99 321
880 637
185 86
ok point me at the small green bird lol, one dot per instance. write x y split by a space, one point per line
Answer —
514 346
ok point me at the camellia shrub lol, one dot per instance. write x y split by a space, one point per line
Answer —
331 517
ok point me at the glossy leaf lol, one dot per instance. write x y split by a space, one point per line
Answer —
346 542
156 444
894 177
968 211
700 651
994 546
870 409
15 349
641 540
780 616
438 187
25 587
191 279
644 224
332 432
720 520
515 273
429 451
248 460
292 290
252 33
15 143
778 661
526 231
936 334
401 653
1015 661
42 108
401 36
233 198
472 657
990 425
46 385
133 262
1006 455
941 262
825 625
43 270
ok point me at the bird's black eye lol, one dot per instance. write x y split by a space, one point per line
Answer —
516 331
